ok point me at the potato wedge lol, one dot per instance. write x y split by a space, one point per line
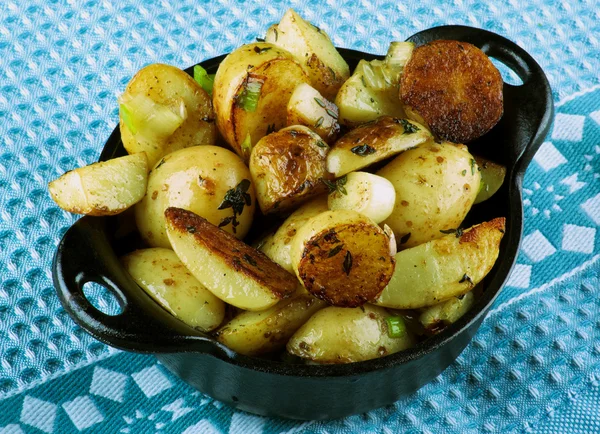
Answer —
454 88
447 267
288 167
437 317
436 185
372 90
233 271
278 246
373 142
163 276
254 333
250 93
104 188
309 108
326 68
198 179
368 194
172 89
339 335
342 257
492 178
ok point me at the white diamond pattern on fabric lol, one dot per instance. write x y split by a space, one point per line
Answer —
537 247
38 414
152 381
520 276
548 157
568 127
578 239
108 384
83 412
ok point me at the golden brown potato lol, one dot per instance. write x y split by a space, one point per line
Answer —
103 188
343 257
168 87
373 142
254 333
309 108
288 167
232 270
454 88
447 267
437 317
251 91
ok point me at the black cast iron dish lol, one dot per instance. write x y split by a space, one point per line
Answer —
86 253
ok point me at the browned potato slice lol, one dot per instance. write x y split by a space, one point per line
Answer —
308 107
343 257
232 270
251 91
373 142
169 86
447 267
254 333
287 167
454 88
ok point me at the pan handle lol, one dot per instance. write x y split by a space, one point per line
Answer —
85 255
528 108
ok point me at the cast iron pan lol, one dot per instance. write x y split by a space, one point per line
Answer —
268 387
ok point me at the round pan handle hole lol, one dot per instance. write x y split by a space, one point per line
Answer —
103 299
508 75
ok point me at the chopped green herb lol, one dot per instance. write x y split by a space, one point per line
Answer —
458 231
319 122
249 259
260 39
405 238
331 113
261 50
473 164
127 118
409 128
248 98
335 251
320 102
337 185
363 150
464 172
332 72
191 229
466 278
236 198
162 161
270 129
276 34
203 79
362 78
321 144
347 265
396 326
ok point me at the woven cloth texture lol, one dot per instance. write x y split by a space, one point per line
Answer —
533 366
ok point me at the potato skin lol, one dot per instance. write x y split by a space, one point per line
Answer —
342 257
196 179
455 88
278 246
280 73
232 270
492 178
436 186
104 188
288 167
444 268
163 276
166 84
341 335
254 333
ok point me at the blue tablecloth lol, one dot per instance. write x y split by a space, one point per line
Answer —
533 367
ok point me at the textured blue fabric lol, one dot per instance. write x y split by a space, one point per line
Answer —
534 365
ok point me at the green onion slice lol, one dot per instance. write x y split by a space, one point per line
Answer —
146 118
205 80
247 145
248 98
396 326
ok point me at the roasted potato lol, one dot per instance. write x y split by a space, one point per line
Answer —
339 335
278 246
233 271
454 89
441 315
250 93
163 276
104 188
374 141
288 167
368 194
447 267
436 186
309 108
492 178
326 68
162 110
342 257
254 333
372 90
207 180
